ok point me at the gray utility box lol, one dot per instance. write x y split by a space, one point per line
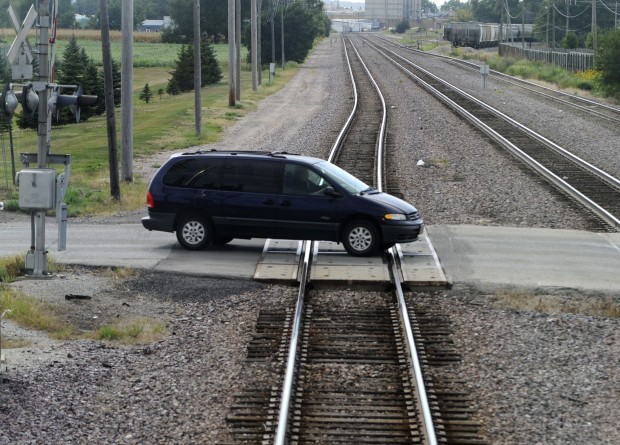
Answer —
37 188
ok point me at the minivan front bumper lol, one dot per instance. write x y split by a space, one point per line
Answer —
401 232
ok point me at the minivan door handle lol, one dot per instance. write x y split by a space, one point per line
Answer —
286 203
269 202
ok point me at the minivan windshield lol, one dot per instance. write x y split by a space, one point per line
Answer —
344 179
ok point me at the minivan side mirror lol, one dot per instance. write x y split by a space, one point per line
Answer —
330 191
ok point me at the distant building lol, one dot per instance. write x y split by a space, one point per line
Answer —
391 12
353 25
155 25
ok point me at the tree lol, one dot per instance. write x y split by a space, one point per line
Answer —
570 41
146 94
303 23
402 26
454 5
66 14
428 6
213 18
608 60
210 70
183 75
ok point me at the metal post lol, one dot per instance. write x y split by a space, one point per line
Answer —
282 31
254 33
197 69
127 92
231 54
594 43
238 49
36 257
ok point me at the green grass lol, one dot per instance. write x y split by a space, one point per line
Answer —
145 54
32 313
132 331
164 124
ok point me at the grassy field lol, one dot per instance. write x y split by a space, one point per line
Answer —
164 124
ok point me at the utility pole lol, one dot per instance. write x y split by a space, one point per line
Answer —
108 83
127 92
238 48
197 71
594 43
231 54
259 38
282 31
567 5
548 13
523 25
553 28
254 44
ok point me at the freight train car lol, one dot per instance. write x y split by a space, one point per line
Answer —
484 35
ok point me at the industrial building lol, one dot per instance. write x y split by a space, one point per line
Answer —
391 12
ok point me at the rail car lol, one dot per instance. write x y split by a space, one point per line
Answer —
485 35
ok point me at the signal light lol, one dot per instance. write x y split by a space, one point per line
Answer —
8 101
83 100
29 100
73 101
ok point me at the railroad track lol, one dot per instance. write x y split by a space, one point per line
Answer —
353 371
601 110
594 189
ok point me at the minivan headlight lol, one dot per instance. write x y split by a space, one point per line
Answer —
395 217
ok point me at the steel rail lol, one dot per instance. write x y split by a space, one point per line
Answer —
556 95
528 160
431 437
340 138
291 366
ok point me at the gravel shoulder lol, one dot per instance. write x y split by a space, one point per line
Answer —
541 373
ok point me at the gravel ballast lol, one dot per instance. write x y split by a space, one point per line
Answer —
537 373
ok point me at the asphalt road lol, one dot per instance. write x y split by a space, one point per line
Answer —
478 255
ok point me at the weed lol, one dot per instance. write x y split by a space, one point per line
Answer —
132 331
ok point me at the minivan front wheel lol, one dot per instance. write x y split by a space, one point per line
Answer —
360 238
194 232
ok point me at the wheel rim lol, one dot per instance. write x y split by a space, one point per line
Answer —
360 239
193 232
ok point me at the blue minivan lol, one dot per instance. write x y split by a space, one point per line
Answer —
215 196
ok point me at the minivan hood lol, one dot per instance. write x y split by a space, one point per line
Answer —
397 204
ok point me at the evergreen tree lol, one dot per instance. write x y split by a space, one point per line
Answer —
210 70
183 75
146 94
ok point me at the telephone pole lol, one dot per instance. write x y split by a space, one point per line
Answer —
127 92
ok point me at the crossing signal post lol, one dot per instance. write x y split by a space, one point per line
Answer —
41 188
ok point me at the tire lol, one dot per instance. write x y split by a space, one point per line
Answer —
360 238
194 232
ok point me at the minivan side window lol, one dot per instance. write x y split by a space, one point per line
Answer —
252 176
301 180
200 173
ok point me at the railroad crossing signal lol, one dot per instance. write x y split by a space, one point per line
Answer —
20 48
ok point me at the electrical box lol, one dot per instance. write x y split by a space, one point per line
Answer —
37 188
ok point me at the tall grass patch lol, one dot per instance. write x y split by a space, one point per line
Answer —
32 313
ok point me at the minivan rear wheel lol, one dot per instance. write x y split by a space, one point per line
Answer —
194 232
360 238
